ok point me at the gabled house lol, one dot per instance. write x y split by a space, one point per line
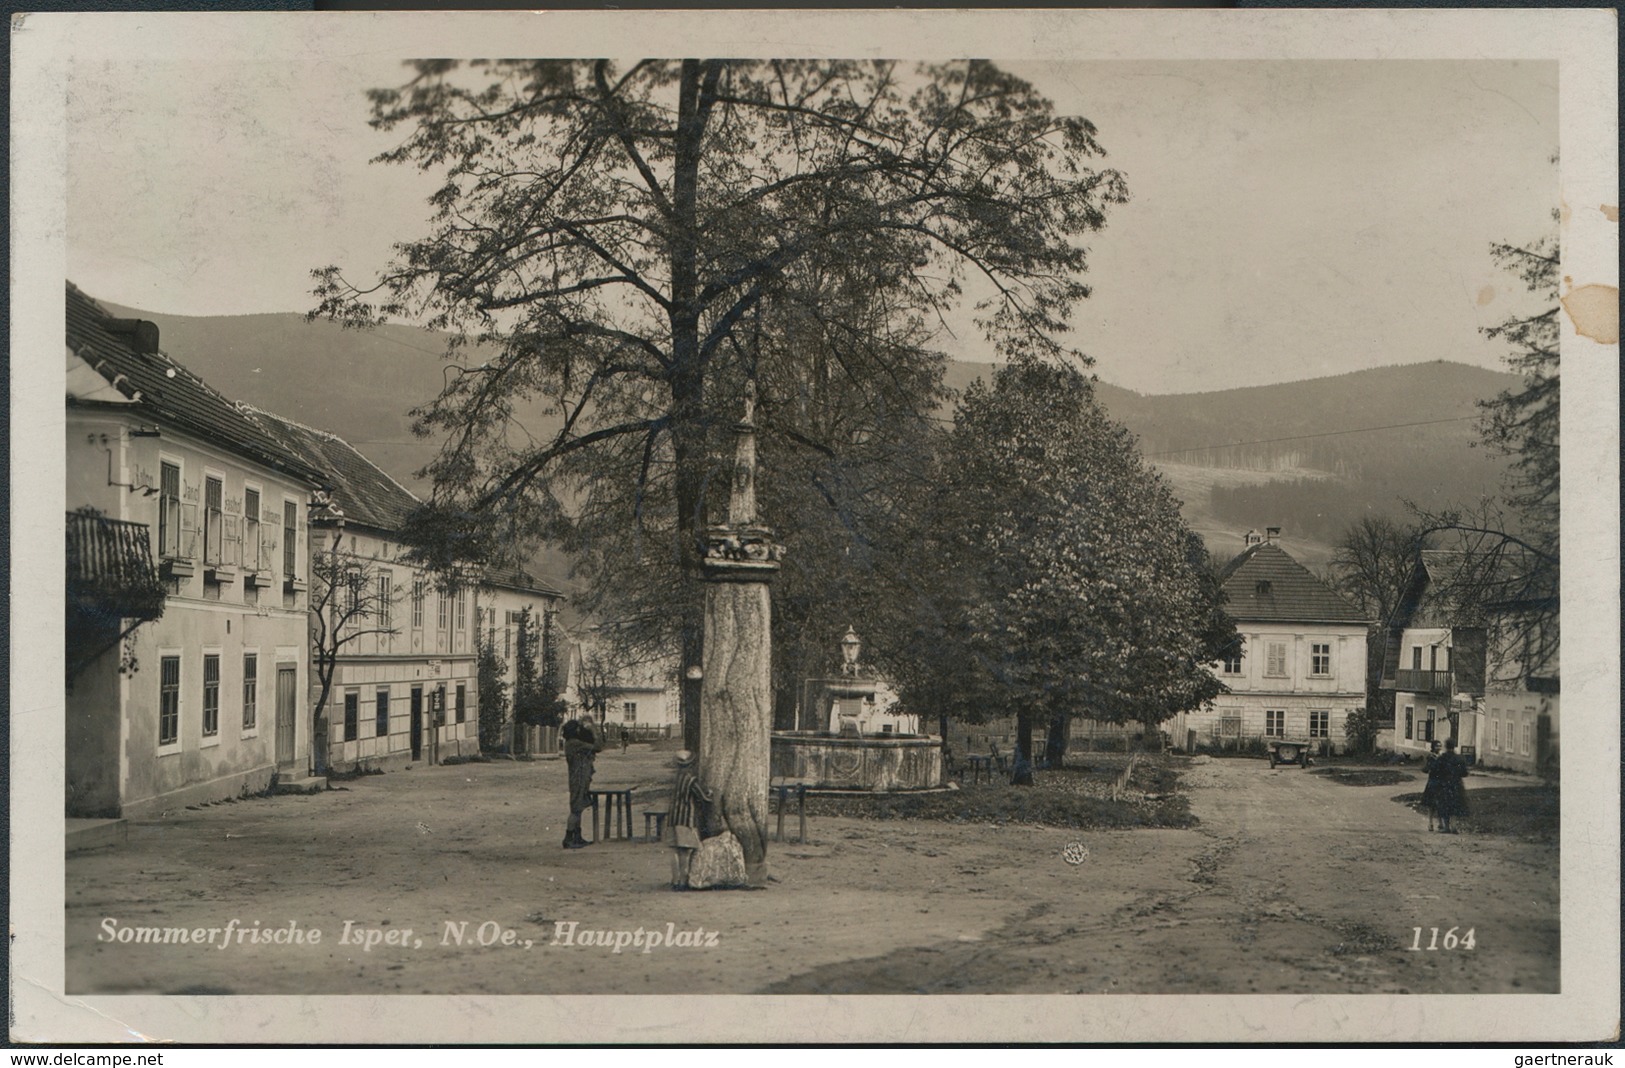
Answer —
187 582
1467 657
1300 669
392 646
638 697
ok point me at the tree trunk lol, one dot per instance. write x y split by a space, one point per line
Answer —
734 744
687 377
690 690
1055 741
1021 769
942 726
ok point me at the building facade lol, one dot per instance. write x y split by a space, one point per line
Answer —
1468 658
640 698
209 699
397 641
517 617
1300 669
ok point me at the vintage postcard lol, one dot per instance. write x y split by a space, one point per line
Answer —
1053 517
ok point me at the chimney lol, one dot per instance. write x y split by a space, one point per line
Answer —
141 335
1271 535
1251 538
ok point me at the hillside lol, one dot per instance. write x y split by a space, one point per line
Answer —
1316 455
1310 456
357 384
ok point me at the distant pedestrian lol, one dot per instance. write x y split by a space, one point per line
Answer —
626 739
1446 786
580 748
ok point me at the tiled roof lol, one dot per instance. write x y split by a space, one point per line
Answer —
360 489
1449 587
515 579
166 392
1265 584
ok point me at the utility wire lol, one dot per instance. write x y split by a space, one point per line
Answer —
1304 437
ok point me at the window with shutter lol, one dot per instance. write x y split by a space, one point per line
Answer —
1275 659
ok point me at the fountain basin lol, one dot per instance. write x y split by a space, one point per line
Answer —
877 762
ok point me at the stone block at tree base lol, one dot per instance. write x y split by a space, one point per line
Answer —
718 863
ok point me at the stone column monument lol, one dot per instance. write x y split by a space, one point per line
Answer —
736 718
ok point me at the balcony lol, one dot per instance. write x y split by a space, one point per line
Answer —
1418 681
113 585
110 568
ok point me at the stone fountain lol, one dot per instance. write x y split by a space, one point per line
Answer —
860 742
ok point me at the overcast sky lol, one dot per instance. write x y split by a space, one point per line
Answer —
1288 219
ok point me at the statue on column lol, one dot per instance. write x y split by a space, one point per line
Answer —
736 706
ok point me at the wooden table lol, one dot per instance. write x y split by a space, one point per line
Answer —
980 766
782 789
617 810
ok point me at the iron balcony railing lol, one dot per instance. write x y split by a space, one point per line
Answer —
1416 680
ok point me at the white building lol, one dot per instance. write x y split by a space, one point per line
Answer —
1466 658
639 697
172 490
511 602
1301 667
405 684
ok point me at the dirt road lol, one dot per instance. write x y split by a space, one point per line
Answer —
1291 883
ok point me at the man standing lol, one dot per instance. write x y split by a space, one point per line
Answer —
580 748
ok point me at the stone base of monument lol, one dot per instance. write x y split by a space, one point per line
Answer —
877 763
719 864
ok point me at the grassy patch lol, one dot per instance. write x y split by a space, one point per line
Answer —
1360 939
1075 796
1364 776
353 773
1515 811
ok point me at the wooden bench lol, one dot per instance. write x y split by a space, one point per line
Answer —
617 810
782 790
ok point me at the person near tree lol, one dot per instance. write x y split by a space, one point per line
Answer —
580 748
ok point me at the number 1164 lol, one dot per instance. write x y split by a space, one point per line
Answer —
1451 939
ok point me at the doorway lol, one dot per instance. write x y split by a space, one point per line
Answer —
287 679
417 723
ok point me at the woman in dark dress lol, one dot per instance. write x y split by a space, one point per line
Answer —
1431 790
1446 787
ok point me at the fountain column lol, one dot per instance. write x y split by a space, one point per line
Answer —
736 717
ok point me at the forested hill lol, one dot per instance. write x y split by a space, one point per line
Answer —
1316 455
1222 451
